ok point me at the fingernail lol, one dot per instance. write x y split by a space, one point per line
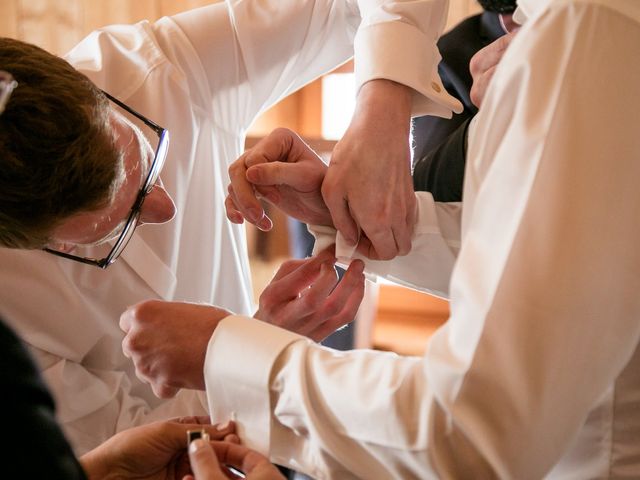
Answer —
264 224
253 173
196 445
223 426
255 214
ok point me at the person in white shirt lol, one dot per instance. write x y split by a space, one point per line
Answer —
203 76
535 374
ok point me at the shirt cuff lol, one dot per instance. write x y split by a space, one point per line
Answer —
326 236
381 53
237 370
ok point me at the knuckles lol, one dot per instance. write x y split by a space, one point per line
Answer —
145 311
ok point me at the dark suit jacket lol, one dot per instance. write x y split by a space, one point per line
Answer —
35 445
439 143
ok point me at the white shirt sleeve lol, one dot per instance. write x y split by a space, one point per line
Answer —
434 247
268 49
544 296
96 403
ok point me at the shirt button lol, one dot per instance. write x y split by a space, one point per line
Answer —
436 87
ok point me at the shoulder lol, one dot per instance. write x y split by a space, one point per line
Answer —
119 58
36 445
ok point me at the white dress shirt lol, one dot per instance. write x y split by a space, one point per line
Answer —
537 371
205 75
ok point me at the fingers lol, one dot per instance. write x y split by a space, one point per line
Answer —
167 343
380 231
252 463
326 307
174 434
236 214
383 243
403 225
490 55
232 438
483 64
233 214
302 176
389 224
204 461
341 306
290 266
294 276
199 419
217 431
365 199
125 320
310 300
365 248
160 388
340 214
281 158
281 145
242 192
480 86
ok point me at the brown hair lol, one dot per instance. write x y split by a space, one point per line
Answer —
57 152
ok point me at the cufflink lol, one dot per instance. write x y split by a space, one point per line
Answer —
195 434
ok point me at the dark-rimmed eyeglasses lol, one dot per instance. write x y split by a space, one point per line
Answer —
134 215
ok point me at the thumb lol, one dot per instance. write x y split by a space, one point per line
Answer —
204 461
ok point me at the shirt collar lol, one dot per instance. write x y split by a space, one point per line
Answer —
519 16
527 9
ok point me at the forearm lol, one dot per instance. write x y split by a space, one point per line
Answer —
381 51
334 451
381 98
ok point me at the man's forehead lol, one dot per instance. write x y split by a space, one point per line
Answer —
133 144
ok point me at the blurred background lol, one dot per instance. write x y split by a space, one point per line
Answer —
391 317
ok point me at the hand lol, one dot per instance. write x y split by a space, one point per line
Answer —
483 65
368 184
206 459
167 342
283 170
303 296
153 451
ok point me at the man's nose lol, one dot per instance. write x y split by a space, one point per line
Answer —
158 207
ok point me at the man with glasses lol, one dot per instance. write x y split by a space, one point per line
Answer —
127 228
79 171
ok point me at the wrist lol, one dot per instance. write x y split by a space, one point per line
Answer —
382 94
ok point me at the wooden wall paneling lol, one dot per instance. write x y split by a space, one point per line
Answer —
405 319
310 110
9 18
98 13
171 7
50 24
282 114
460 9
